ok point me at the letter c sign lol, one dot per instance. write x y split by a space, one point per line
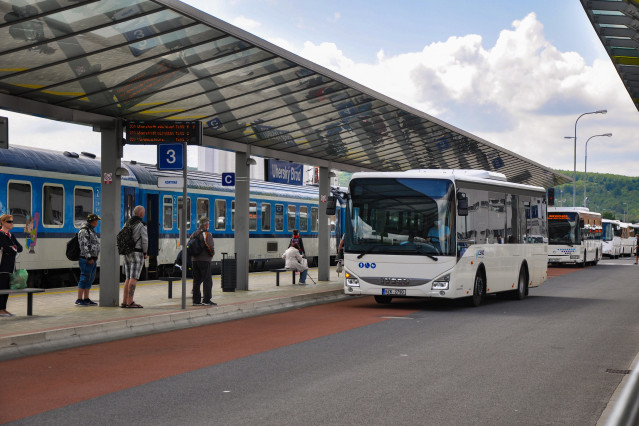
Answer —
228 179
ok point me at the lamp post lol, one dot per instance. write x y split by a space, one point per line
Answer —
624 211
586 162
574 174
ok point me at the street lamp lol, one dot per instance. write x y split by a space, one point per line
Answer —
586 163
574 174
624 211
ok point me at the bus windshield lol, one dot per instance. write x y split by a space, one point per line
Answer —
562 228
401 216
607 231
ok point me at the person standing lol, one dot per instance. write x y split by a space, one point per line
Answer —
201 265
10 248
89 252
134 261
297 239
293 260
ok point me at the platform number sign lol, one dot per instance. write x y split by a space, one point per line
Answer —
170 156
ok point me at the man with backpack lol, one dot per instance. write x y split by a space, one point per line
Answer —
203 240
89 251
134 260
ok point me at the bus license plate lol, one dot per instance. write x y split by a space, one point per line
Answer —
394 292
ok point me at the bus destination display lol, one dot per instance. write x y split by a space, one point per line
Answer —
157 132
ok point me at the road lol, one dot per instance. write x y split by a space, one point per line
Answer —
540 361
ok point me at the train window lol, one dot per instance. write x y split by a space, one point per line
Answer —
252 216
53 205
220 214
292 211
266 217
279 217
19 202
188 212
233 215
167 212
82 205
202 208
314 219
303 218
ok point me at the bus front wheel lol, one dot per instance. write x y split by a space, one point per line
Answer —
384 300
479 290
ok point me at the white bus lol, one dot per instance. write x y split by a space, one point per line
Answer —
443 234
574 236
611 238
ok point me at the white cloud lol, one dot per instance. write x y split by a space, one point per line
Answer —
522 93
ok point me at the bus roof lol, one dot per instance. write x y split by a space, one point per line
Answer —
573 210
467 175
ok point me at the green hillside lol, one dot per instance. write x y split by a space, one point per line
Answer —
606 194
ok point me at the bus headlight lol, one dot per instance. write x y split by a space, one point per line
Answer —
441 283
351 280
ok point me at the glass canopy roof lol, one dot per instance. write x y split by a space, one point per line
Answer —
165 60
617 24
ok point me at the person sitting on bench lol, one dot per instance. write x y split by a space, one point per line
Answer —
296 262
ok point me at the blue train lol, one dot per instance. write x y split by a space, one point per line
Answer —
50 194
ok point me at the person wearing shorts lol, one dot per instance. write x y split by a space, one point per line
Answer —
134 261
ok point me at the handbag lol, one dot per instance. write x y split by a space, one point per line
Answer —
18 279
304 263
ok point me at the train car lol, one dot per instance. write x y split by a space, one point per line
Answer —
50 194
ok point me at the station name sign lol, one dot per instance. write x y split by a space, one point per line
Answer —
285 172
157 132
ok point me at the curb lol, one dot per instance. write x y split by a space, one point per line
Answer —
13 347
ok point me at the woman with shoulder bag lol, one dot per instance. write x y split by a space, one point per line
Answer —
9 247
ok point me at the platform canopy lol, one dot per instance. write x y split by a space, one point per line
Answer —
617 25
89 62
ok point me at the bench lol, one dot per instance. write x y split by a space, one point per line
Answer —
29 292
277 271
170 280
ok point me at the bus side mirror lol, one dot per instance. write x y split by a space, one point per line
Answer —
331 205
462 204
581 223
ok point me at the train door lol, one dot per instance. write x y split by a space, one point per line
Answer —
129 203
153 223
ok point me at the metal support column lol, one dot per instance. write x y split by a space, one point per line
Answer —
323 271
242 189
109 211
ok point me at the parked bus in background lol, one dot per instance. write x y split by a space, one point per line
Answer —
574 236
627 239
443 234
611 238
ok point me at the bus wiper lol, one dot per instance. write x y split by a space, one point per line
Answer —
426 254
365 252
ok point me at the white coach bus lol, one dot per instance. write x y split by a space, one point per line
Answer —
443 234
574 236
611 238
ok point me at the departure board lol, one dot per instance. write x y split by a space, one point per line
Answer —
157 132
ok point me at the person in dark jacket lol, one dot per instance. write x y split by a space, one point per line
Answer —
10 248
202 265
89 252
297 239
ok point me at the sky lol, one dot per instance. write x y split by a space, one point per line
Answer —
515 73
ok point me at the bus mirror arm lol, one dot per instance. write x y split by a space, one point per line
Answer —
462 204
